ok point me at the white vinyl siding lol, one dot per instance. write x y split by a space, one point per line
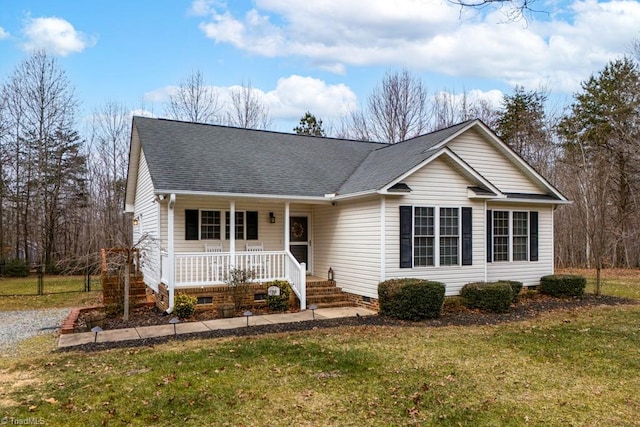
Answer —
270 235
439 185
347 239
528 272
146 211
485 158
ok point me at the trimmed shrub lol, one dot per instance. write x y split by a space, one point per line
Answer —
279 302
563 285
494 297
185 306
411 299
516 287
15 268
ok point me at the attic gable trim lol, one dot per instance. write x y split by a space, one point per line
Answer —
508 151
453 156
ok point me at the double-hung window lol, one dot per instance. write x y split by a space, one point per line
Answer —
423 237
210 225
500 235
435 236
520 236
512 236
449 236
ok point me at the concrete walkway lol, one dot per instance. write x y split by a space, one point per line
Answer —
70 340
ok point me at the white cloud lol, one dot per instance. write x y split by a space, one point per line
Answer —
294 95
54 35
430 35
289 100
141 112
3 34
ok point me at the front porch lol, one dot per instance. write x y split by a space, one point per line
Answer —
204 269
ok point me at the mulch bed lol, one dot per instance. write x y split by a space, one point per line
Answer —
528 307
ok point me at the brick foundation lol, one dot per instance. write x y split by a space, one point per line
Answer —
219 295
366 302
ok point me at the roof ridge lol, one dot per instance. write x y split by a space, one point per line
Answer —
268 131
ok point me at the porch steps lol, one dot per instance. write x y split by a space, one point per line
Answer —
325 294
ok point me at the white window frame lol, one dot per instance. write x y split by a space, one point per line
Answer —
200 223
511 236
436 236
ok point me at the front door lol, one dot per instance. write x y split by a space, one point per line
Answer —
299 239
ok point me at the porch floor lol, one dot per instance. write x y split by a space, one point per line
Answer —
311 279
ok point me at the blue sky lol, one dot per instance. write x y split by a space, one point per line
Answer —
325 56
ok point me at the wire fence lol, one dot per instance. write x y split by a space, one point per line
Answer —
37 283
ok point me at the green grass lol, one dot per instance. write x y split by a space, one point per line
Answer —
578 367
616 282
59 291
568 367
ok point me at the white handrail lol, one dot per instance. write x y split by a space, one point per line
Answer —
212 268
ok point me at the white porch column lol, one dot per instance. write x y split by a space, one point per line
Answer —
171 248
286 226
383 239
232 232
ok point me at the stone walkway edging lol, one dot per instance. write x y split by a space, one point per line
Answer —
68 339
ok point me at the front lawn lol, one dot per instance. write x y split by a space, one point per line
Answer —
567 367
578 367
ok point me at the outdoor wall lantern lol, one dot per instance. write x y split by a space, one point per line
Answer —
136 221
330 274
272 218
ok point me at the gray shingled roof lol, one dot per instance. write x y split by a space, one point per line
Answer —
193 157
196 157
391 161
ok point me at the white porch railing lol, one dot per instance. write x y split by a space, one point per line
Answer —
212 268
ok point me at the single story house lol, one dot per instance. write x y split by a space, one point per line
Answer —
456 205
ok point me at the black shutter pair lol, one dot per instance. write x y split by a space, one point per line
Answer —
533 236
406 243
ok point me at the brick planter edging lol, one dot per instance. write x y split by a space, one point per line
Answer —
69 323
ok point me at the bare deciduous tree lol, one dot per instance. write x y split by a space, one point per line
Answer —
398 108
109 147
247 109
195 101
514 10
46 154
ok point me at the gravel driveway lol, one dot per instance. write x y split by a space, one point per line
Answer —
18 325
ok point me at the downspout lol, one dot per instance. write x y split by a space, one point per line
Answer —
383 239
171 250
484 260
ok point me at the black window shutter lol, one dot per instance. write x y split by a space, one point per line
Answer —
533 236
467 242
191 224
405 236
489 236
252 225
